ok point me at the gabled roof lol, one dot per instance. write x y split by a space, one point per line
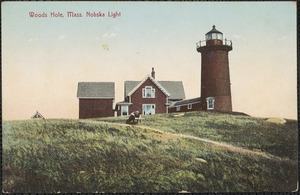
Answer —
93 90
129 86
37 115
174 88
154 81
185 102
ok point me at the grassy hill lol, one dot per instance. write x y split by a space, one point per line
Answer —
195 152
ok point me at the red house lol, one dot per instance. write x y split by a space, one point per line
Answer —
149 96
95 99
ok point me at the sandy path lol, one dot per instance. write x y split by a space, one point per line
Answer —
224 146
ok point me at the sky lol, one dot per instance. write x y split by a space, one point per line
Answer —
44 58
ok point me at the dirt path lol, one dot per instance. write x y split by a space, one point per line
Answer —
220 145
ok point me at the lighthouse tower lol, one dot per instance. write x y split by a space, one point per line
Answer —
215 78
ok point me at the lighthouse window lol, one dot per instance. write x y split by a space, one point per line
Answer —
208 37
220 36
214 36
210 103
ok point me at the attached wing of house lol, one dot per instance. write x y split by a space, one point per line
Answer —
193 104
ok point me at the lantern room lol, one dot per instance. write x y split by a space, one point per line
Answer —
214 37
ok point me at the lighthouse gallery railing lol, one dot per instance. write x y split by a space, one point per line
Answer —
203 43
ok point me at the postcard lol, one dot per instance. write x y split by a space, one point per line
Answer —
149 97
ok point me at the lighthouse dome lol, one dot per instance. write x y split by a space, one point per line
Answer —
214 34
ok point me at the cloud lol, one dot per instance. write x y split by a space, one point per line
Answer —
237 36
113 35
155 30
107 35
32 39
117 28
62 36
282 38
278 39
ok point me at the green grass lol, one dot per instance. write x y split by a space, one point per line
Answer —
244 131
101 156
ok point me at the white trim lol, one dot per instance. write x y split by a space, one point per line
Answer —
154 81
190 106
144 94
124 104
213 103
167 105
151 111
173 104
185 104
122 110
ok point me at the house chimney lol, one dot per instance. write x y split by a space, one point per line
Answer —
153 73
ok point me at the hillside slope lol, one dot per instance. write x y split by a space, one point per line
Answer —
258 134
162 154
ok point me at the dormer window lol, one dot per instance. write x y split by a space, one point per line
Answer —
148 92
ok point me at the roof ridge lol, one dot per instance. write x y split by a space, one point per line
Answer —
189 99
154 81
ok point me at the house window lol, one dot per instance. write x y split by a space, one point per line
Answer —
177 108
210 103
124 110
148 109
190 106
148 92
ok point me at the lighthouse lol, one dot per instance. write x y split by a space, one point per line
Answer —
215 77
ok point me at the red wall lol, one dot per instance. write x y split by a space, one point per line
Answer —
159 100
184 108
215 77
95 108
